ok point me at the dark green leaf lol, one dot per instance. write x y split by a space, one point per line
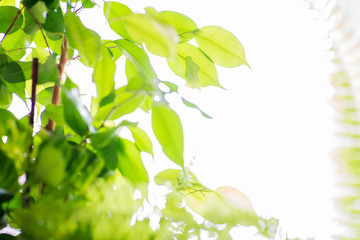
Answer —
76 114
108 99
189 104
30 25
8 173
168 130
54 21
7 16
12 73
48 72
5 196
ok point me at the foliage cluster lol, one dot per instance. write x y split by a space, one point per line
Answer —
81 177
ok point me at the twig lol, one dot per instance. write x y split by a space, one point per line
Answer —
39 25
12 24
35 67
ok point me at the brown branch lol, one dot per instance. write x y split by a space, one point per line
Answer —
12 24
35 67
56 92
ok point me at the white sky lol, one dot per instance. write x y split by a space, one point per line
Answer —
272 129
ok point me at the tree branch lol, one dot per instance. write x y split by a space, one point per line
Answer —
12 24
56 92
35 67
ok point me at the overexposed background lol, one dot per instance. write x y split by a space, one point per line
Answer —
272 129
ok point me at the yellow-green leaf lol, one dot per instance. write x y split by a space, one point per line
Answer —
221 46
207 75
168 130
86 41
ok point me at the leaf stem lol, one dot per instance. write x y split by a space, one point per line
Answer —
12 24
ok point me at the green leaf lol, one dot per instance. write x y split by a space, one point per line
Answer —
5 96
44 96
14 79
39 11
207 74
48 72
113 12
7 16
184 25
160 39
189 104
168 130
7 3
88 3
130 163
76 114
139 58
50 165
54 21
55 46
135 82
112 48
30 25
86 41
17 42
142 140
172 86
12 73
103 75
8 173
192 73
55 113
221 46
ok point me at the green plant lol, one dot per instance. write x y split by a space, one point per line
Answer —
81 176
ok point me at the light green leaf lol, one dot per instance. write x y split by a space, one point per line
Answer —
168 130
113 12
17 42
48 72
86 41
125 102
8 173
160 39
50 166
172 86
76 114
207 75
112 48
55 113
142 140
30 25
55 46
192 73
139 58
7 16
103 75
135 82
44 96
130 163
221 46
177 179
184 25
189 104
39 11
88 3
